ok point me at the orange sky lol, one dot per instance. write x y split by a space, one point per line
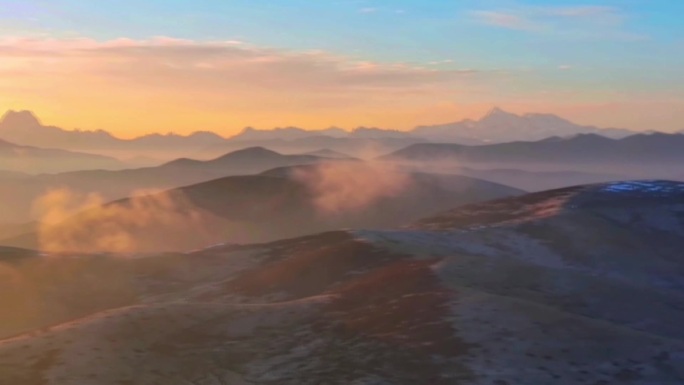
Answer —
133 87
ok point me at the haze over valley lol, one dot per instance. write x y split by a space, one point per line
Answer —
341 192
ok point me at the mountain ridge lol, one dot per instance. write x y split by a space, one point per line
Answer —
644 153
534 296
30 159
279 203
496 125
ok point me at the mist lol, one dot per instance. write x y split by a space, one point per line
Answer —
72 222
341 187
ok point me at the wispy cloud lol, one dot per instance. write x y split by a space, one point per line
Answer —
225 77
368 10
506 20
591 11
228 61
579 21
440 62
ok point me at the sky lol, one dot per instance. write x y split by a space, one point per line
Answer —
134 67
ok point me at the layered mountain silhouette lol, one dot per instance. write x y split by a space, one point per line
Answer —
541 180
645 153
581 285
19 192
353 146
499 126
281 203
24 128
27 159
328 153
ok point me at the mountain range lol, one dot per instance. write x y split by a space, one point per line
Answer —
642 155
19 192
499 126
27 159
580 285
530 166
23 127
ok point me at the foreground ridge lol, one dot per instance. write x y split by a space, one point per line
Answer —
549 287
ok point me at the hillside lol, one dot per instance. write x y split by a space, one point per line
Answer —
522 290
19 193
25 159
586 148
539 180
266 207
639 156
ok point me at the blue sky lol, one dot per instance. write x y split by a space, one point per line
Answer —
631 49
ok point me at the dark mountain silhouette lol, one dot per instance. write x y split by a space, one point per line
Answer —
353 146
539 180
495 127
582 285
26 159
10 230
295 133
645 153
246 161
250 134
24 128
18 193
500 126
266 207
328 153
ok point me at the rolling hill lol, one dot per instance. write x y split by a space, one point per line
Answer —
642 155
255 208
25 159
581 285
18 193
538 180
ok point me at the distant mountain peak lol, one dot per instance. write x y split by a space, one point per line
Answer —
495 112
255 150
251 153
19 119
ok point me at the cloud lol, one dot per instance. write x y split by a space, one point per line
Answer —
584 21
312 71
564 67
505 20
233 79
71 222
368 10
594 11
342 187
438 62
219 63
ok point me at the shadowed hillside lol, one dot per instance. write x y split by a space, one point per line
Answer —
18 193
257 208
491 293
638 156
